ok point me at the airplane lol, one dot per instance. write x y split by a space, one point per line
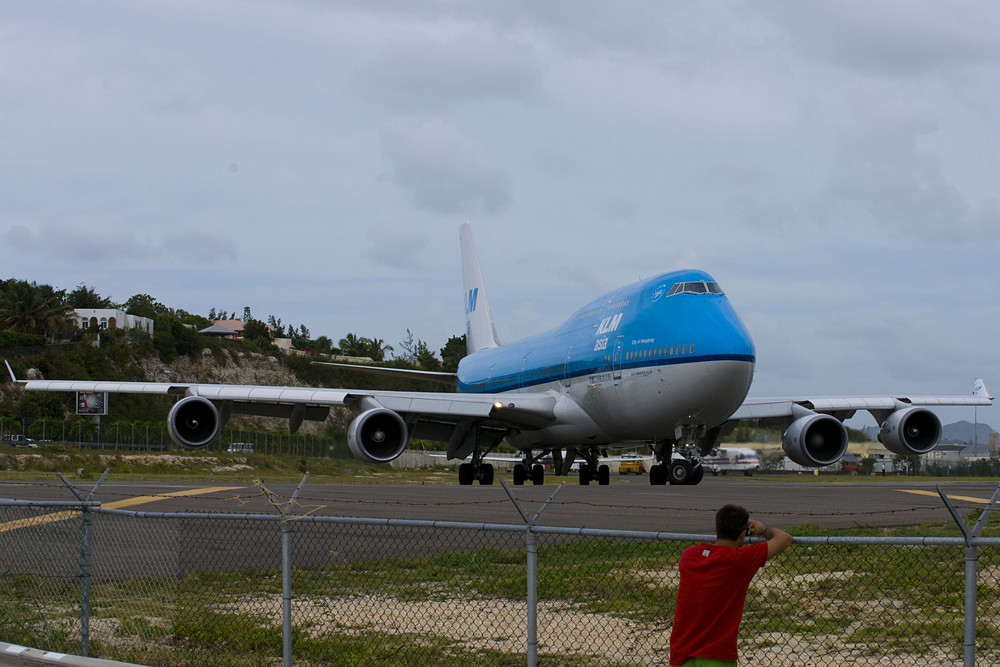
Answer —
736 459
664 363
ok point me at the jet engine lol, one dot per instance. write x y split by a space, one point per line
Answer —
377 435
815 440
193 422
910 431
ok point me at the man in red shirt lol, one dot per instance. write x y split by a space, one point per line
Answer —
713 588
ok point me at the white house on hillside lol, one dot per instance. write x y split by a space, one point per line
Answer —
111 318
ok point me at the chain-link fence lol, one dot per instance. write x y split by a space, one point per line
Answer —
232 589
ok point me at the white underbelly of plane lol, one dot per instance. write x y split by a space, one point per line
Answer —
644 404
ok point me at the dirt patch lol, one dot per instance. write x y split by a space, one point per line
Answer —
475 624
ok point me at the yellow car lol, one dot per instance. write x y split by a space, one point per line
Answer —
631 466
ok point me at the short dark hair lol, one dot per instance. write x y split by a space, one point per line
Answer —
730 521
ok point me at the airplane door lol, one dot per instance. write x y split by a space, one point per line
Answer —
566 371
616 362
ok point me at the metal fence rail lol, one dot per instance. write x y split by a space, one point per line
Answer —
261 589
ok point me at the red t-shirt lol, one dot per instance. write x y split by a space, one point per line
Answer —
713 588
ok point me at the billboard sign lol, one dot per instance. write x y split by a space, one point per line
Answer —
91 403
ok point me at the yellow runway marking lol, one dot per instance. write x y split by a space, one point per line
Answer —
968 499
117 504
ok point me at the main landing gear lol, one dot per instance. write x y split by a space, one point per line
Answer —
523 472
682 465
592 470
533 470
678 471
477 470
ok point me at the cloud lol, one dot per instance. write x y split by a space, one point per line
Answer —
444 63
90 241
895 37
396 247
887 174
445 171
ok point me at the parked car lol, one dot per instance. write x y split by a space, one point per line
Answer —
21 440
240 448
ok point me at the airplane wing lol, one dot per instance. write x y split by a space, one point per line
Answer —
768 408
402 373
815 436
379 433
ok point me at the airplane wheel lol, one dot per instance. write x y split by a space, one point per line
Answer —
486 474
658 474
680 472
520 474
699 473
466 474
584 474
538 474
604 475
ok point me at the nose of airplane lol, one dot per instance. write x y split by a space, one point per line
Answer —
726 335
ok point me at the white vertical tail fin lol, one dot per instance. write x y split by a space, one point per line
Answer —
979 389
480 333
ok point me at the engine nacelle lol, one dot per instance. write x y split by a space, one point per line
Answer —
377 435
815 440
193 422
910 431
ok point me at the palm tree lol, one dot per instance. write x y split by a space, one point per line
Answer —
376 348
352 345
31 308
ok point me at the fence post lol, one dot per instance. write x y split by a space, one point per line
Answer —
971 573
85 551
286 575
532 574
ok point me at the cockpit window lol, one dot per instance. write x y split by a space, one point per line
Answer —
695 288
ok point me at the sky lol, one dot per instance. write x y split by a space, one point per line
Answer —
833 164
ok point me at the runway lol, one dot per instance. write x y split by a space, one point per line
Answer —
627 504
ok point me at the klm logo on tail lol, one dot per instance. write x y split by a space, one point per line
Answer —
470 302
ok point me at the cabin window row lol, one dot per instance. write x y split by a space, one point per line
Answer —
655 352
618 305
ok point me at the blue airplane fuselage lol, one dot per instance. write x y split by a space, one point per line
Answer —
639 362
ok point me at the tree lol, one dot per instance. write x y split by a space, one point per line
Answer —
409 347
86 297
279 328
352 345
32 308
172 338
322 344
256 333
376 348
453 352
298 335
417 353
143 305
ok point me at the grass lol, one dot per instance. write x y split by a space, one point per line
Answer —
44 462
868 599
